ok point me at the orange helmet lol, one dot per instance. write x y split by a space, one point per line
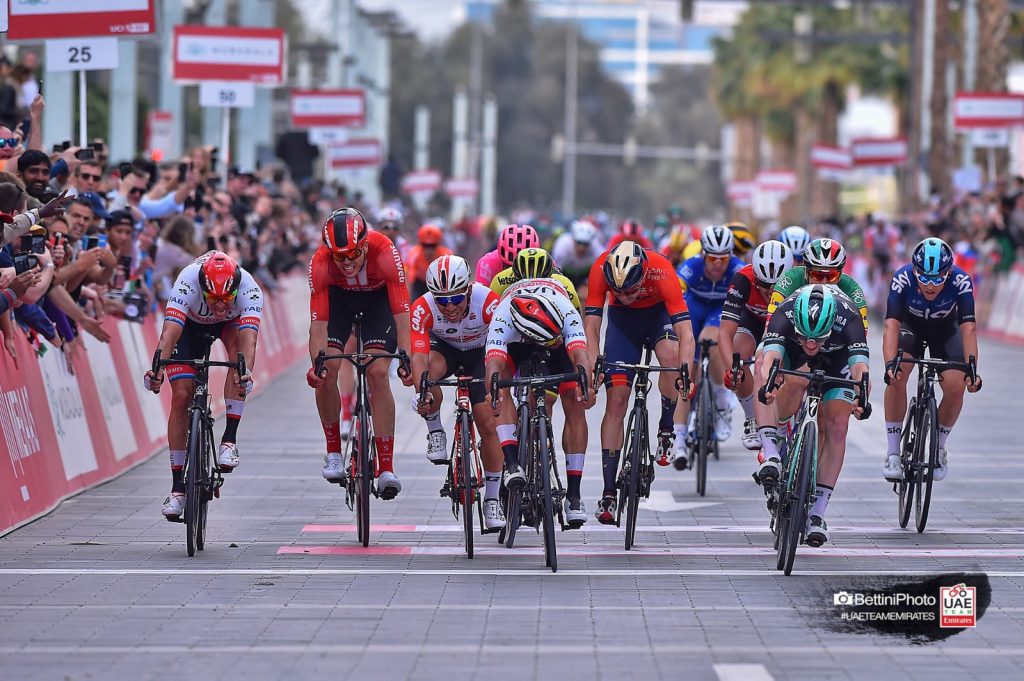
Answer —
429 235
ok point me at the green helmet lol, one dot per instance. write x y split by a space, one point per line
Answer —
814 311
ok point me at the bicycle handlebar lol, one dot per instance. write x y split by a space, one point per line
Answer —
816 377
358 359
540 382
453 382
737 367
238 364
970 367
683 380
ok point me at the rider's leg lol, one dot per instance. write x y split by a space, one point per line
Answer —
717 371
574 440
744 344
611 432
382 401
347 375
767 416
834 422
328 404
895 407
490 450
182 390
437 446
234 402
953 385
667 352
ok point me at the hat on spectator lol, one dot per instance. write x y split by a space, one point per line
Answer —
59 168
236 171
32 157
99 206
120 217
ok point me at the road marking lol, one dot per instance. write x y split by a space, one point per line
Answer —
662 501
742 672
189 573
696 529
493 649
648 552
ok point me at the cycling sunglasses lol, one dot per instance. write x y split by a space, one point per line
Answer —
807 340
823 276
349 257
934 280
12 142
717 259
221 298
450 300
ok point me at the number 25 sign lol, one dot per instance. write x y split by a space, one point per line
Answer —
81 54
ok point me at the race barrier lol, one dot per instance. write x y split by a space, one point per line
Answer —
65 432
1005 319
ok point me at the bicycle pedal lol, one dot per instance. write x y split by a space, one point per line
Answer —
174 518
388 494
225 469
574 524
439 462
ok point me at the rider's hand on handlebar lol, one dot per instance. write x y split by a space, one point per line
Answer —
497 402
893 371
243 382
589 401
423 407
313 380
769 395
973 386
152 382
729 382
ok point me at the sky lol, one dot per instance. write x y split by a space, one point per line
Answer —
431 19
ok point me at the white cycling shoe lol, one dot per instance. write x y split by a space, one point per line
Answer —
893 468
575 513
751 440
227 459
437 447
723 424
334 469
388 485
174 506
494 515
942 467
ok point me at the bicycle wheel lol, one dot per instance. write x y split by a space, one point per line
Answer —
466 486
905 487
513 513
784 490
193 484
635 455
705 431
207 486
798 500
928 445
364 474
548 510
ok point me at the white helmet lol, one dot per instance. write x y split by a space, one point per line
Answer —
389 214
448 274
770 260
717 240
583 232
797 238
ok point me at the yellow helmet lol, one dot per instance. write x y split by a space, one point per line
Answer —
532 263
744 238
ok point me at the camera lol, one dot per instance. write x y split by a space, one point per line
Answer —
33 243
91 241
842 598
23 262
134 307
86 154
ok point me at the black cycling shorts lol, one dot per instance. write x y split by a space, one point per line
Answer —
630 330
558 361
752 325
943 341
195 341
378 323
470 361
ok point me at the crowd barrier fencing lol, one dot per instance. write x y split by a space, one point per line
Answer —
63 432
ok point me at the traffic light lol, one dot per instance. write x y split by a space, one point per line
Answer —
686 10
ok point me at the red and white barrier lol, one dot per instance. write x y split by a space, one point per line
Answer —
1006 317
61 433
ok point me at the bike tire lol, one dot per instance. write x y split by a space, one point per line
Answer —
192 475
364 476
905 488
798 508
207 489
467 488
929 444
636 446
514 511
547 503
705 431
784 487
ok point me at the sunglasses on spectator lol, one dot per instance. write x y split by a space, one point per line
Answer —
429 245
10 141
823 276
450 300
717 259
350 256
91 177
934 280
136 190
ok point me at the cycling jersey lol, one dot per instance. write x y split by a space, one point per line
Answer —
660 285
463 334
574 266
487 266
381 269
846 346
506 278
745 295
698 287
418 261
883 246
955 301
619 238
796 277
502 333
186 302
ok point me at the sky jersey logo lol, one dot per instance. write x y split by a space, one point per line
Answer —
957 606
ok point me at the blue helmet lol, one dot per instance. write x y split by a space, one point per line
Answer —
932 257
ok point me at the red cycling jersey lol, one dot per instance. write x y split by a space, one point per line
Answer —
660 285
620 237
382 267
744 293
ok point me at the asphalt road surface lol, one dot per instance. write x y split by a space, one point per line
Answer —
102 588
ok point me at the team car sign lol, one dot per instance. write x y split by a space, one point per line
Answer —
35 20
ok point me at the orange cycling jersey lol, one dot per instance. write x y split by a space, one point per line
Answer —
418 262
619 238
382 268
660 285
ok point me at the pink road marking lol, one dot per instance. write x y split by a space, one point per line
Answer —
373 528
347 550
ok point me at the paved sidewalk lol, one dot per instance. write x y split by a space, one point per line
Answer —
102 587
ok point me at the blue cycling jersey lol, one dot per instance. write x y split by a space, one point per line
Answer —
700 288
907 304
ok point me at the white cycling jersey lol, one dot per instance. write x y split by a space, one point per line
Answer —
186 301
502 332
462 334
563 252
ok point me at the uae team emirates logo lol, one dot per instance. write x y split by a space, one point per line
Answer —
957 606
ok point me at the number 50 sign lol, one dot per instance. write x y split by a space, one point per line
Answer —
81 54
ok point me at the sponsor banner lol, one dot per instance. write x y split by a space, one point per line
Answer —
421 181
226 53
462 187
879 151
112 397
836 158
990 138
783 181
356 153
159 131
153 421
328 108
987 110
68 415
34 20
